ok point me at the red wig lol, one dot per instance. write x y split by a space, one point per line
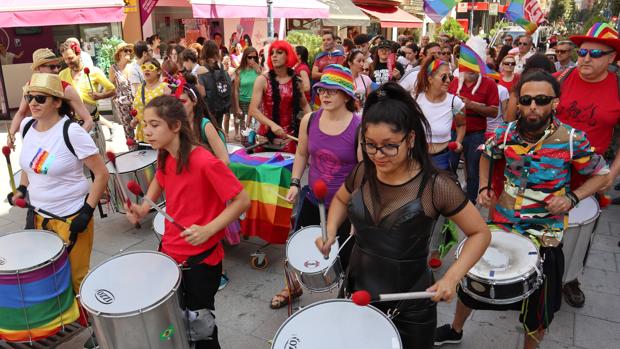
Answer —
291 56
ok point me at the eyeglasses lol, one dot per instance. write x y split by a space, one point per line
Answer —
540 100
389 150
594 53
523 43
509 64
149 67
40 99
446 77
562 51
52 66
445 53
254 58
329 92
127 50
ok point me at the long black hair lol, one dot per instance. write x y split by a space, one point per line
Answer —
275 93
393 105
201 110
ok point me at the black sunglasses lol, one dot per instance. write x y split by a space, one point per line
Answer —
523 43
254 58
594 53
446 53
446 77
540 100
52 66
510 64
40 99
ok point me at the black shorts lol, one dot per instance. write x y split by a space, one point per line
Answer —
537 312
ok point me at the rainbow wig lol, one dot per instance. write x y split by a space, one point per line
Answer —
291 56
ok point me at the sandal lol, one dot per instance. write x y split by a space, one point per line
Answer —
281 299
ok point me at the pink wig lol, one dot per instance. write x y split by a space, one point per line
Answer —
291 56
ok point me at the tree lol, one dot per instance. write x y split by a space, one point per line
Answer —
452 28
310 41
105 56
561 9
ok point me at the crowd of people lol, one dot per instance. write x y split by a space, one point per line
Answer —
386 124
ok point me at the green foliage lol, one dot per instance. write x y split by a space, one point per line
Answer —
561 9
105 55
498 25
303 38
452 28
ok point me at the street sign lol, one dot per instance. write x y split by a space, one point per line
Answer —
493 9
461 7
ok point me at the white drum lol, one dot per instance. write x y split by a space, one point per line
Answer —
233 148
582 221
509 271
134 300
337 323
314 271
159 223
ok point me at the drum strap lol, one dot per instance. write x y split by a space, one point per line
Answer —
197 259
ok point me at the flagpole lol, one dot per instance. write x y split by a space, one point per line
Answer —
471 18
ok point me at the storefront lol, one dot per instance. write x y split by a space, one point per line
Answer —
387 17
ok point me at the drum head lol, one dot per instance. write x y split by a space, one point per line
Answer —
270 154
509 255
129 283
337 323
133 160
27 249
158 223
231 148
585 210
302 253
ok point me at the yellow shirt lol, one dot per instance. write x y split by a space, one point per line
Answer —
82 86
149 94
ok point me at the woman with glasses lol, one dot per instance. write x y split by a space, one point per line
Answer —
243 85
361 81
507 72
123 100
393 198
151 87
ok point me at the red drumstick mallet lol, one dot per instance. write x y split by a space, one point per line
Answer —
363 297
133 112
21 202
452 146
134 187
6 150
130 142
604 201
87 72
320 193
112 157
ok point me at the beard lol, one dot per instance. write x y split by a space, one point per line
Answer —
536 125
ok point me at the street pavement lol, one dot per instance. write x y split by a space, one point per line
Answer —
246 321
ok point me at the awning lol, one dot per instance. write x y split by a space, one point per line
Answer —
258 9
34 13
343 13
392 16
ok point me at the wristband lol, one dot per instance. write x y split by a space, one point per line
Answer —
483 188
295 182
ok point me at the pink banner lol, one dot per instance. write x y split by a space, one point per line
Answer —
146 7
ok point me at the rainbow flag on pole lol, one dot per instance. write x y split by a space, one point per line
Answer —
436 10
469 61
525 13
266 177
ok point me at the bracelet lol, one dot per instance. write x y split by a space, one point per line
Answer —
483 188
295 182
573 198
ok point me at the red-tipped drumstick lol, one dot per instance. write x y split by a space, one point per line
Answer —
112 157
604 201
87 72
134 112
452 146
130 142
320 193
134 187
363 297
6 150
21 202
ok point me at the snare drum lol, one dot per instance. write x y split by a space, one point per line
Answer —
233 148
509 271
314 271
159 224
134 300
337 323
36 294
576 239
137 165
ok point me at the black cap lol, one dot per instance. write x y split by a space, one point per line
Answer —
385 44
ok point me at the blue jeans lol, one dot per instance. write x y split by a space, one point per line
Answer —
471 142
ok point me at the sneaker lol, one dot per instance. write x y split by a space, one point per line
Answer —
223 281
445 334
91 343
573 294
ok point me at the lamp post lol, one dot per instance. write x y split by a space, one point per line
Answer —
269 18
471 18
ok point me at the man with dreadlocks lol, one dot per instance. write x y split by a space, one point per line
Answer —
280 93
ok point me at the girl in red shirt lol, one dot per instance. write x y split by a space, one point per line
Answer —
198 187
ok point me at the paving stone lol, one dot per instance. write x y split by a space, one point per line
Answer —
595 333
240 312
230 337
605 243
603 260
614 228
599 305
601 281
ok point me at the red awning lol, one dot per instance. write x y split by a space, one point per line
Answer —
392 16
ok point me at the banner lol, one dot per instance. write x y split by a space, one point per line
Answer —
436 10
146 7
526 13
493 9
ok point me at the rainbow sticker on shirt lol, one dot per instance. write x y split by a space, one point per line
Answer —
42 161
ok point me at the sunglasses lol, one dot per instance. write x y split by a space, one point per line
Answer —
540 100
594 53
149 67
510 64
446 77
40 99
128 51
446 53
254 58
52 66
523 43
562 51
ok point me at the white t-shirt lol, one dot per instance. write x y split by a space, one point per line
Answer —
409 80
7 58
135 74
440 116
56 176
493 123
363 87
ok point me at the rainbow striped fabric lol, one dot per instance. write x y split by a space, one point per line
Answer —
602 31
266 177
47 303
469 61
522 13
436 10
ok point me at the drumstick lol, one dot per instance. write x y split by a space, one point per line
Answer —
256 145
20 202
112 157
320 192
87 72
293 138
363 297
6 150
134 187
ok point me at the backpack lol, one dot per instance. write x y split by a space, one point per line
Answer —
65 133
218 90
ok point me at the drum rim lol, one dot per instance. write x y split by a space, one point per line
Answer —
587 221
40 265
156 304
138 169
340 300
499 301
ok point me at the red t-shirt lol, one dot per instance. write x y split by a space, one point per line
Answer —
328 59
591 107
196 196
304 67
486 94
510 84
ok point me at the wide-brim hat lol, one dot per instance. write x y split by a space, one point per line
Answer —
43 56
601 33
121 47
337 77
49 84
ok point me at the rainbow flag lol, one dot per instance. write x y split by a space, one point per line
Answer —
436 10
525 13
471 62
266 178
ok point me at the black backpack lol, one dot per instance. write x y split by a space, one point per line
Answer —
65 133
218 89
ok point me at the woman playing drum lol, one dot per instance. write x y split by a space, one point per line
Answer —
393 198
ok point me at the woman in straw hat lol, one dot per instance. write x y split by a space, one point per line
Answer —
52 161
123 100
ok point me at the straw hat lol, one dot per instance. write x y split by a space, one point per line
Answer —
43 56
602 33
120 47
49 84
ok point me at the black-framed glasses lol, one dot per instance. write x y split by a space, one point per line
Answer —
389 149
446 77
40 99
594 53
523 43
540 100
327 91
52 66
561 51
128 50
